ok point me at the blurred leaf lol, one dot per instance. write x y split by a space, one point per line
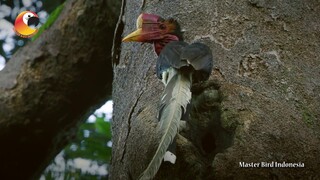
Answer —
51 19
91 143
103 126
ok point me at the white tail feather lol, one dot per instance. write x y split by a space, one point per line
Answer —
177 96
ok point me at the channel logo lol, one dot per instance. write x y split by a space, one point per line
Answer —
26 24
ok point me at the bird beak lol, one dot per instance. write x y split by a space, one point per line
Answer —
143 35
33 21
134 36
147 29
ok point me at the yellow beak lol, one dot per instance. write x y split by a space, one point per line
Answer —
134 36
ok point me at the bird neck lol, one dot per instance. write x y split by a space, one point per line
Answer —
159 44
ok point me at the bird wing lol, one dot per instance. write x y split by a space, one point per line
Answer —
199 56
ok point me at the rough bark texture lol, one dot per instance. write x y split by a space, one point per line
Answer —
52 84
261 103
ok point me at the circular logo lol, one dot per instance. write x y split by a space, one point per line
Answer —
26 24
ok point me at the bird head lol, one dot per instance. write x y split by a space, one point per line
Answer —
154 29
26 23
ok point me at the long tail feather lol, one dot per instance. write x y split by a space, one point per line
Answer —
177 96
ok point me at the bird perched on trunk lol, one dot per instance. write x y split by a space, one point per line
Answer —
178 66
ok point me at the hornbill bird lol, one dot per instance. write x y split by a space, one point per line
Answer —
178 66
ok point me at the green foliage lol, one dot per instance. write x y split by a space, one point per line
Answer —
103 126
51 19
91 143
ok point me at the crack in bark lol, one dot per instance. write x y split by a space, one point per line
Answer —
116 49
129 123
143 4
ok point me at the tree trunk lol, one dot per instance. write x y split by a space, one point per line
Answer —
52 84
261 103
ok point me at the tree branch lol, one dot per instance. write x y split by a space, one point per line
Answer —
52 84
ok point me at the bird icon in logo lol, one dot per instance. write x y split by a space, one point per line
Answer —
26 24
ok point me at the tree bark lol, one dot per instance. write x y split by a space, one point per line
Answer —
54 83
261 103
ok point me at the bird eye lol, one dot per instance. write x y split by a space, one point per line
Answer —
162 26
